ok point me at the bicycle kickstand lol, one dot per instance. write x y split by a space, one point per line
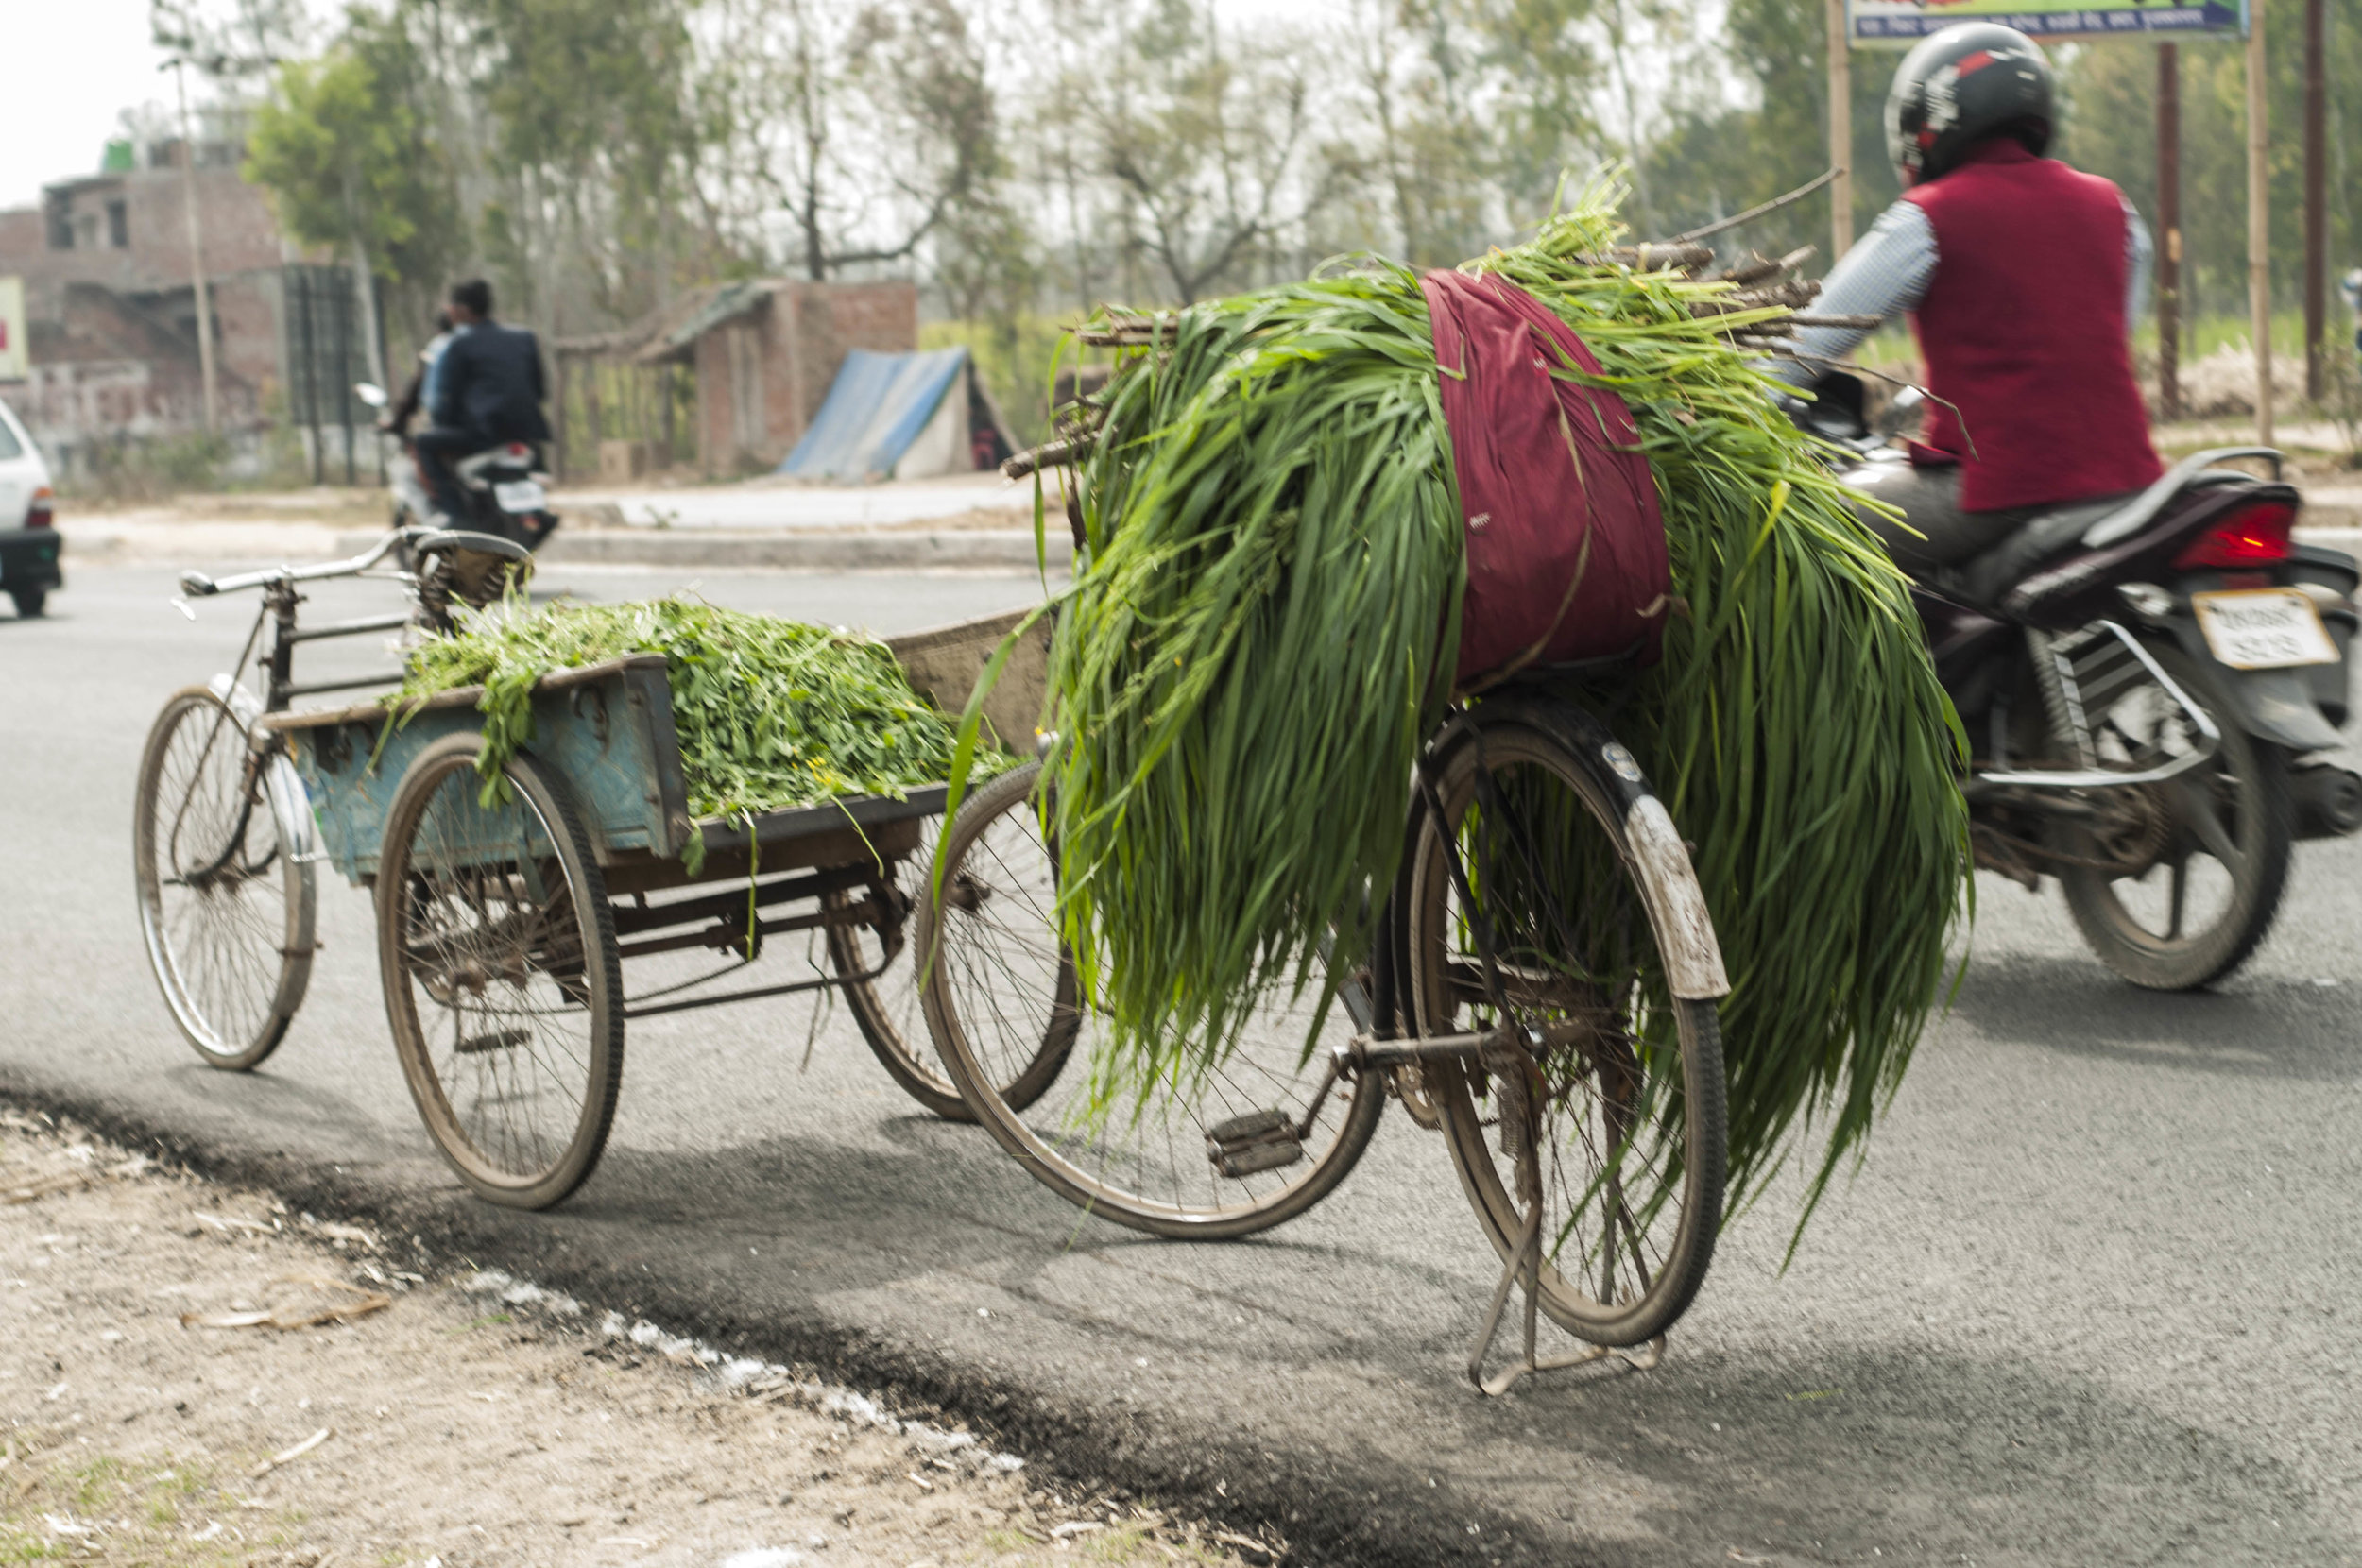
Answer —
1526 1259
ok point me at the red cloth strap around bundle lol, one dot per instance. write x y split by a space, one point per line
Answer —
1565 546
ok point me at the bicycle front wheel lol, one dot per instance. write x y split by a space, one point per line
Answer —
1615 1126
225 906
1260 1139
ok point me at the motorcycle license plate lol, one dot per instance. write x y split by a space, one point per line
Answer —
2263 629
520 495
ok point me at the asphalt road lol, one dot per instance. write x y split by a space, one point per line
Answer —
2093 1298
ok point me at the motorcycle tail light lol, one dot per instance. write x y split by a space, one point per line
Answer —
43 513
2253 535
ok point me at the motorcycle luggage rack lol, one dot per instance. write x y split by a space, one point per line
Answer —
2084 673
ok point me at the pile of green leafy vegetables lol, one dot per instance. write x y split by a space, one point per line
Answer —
771 713
1262 636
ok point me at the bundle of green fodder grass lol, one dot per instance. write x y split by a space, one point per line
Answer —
1264 633
771 713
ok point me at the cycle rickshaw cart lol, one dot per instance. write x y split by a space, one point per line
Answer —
507 903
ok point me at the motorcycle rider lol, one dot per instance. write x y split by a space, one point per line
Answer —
484 389
396 419
2024 278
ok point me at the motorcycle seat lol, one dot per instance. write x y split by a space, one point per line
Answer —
434 541
2041 539
1984 578
507 454
2137 513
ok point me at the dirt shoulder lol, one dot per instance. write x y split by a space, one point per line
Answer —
192 1374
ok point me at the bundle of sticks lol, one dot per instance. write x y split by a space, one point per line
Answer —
1757 284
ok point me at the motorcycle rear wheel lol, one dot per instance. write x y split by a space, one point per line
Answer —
2232 824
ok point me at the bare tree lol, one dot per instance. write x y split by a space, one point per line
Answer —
861 129
1207 140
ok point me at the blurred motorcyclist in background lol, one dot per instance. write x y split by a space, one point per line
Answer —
396 419
2022 278
484 389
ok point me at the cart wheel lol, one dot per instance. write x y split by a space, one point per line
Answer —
1264 1136
503 983
224 904
887 1006
1630 1109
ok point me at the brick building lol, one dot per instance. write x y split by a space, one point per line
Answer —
764 352
111 313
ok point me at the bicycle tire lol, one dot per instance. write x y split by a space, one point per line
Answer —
466 920
1655 1061
996 858
889 1009
233 957
2254 776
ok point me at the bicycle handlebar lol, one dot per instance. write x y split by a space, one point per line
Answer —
198 585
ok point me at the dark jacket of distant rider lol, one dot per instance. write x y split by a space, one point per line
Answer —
488 383
2022 277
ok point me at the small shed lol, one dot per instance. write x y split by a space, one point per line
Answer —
764 352
913 416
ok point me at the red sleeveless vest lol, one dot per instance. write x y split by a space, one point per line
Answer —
2024 330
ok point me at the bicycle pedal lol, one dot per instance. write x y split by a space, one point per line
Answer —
1260 1140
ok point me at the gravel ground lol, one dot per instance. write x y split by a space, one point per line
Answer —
194 1374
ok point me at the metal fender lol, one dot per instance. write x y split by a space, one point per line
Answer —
2272 705
1677 906
2278 706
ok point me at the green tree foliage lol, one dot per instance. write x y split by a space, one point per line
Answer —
1717 157
595 137
346 158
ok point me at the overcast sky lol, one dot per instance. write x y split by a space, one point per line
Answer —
71 67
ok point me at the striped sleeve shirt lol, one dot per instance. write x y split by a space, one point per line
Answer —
1888 272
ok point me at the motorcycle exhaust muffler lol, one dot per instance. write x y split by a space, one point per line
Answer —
2328 800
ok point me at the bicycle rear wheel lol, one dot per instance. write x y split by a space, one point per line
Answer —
503 983
226 905
1624 1102
1263 1138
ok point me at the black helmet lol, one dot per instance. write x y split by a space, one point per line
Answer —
1958 87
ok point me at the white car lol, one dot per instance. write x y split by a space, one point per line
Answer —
29 532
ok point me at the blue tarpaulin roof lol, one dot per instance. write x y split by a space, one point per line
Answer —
876 407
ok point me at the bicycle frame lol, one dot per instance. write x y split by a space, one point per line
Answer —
278 611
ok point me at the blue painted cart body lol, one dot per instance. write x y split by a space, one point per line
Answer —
605 729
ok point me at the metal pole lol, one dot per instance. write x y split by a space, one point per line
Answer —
196 251
2259 275
302 274
2316 192
1840 133
344 373
2169 229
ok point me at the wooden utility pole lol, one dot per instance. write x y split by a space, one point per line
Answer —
196 251
2259 257
2169 229
1840 133
2316 192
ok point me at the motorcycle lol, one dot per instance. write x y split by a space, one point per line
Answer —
508 494
2146 684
